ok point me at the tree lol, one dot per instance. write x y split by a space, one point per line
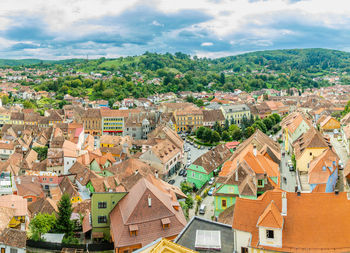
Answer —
28 105
41 224
5 100
200 131
225 136
216 136
222 78
276 117
64 223
237 134
248 132
268 123
227 124
42 152
108 93
207 135
217 127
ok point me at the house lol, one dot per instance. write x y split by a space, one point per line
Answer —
70 154
42 205
7 148
293 126
210 117
13 241
164 156
66 186
145 214
7 183
329 124
19 206
188 119
102 203
91 119
197 232
248 177
29 188
308 146
346 137
323 172
236 112
202 169
164 245
281 221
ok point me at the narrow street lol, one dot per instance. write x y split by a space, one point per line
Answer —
288 178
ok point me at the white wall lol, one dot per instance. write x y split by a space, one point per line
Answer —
8 248
242 239
275 242
68 163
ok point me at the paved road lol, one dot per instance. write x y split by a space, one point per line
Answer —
194 153
209 202
339 149
288 178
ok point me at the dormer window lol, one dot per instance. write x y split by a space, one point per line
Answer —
270 234
165 223
133 229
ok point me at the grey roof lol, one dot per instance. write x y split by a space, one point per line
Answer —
187 237
235 108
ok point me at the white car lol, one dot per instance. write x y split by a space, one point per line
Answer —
211 181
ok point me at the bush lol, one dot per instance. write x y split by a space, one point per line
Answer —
70 240
198 198
189 201
186 187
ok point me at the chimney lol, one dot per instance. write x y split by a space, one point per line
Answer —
149 201
136 172
284 204
336 191
254 150
18 180
32 179
298 192
156 174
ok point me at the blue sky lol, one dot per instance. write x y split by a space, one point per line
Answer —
208 28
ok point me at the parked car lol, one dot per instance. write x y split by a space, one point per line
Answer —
188 163
182 172
188 157
210 148
211 191
341 165
172 181
211 181
202 209
185 174
339 138
202 147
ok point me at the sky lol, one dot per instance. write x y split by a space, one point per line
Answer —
61 29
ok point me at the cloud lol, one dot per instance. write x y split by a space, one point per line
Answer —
206 44
64 29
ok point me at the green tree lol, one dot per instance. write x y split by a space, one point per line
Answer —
216 136
5 100
108 93
268 123
42 152
28 105
207 135
237 134
225 136
222 78
276 117
248 132
200 131
64 223
41 224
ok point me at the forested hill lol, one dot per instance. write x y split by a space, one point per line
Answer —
135 75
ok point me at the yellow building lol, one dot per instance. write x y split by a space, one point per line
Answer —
5 117
329 124
235 113
309 146
188 119
165 246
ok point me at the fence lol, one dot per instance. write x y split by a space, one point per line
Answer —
60 246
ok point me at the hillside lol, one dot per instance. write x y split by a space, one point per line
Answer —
135 75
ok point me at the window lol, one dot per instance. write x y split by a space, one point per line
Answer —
260 182
133 233
29 199
46 187
51 179
269 234
102 205
13 250
310 153
223 203
244 250
102 219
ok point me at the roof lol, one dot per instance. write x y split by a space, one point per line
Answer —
187 237
43 205
213 158
311 139
213 116
322 167
162 246
18 203
134 209
29 186
271 217
14 238
326 120
304 229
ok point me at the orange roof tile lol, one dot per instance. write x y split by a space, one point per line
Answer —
271 217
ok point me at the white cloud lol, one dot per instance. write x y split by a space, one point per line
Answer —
206 44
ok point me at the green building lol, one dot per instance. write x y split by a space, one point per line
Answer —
102 203
202 169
